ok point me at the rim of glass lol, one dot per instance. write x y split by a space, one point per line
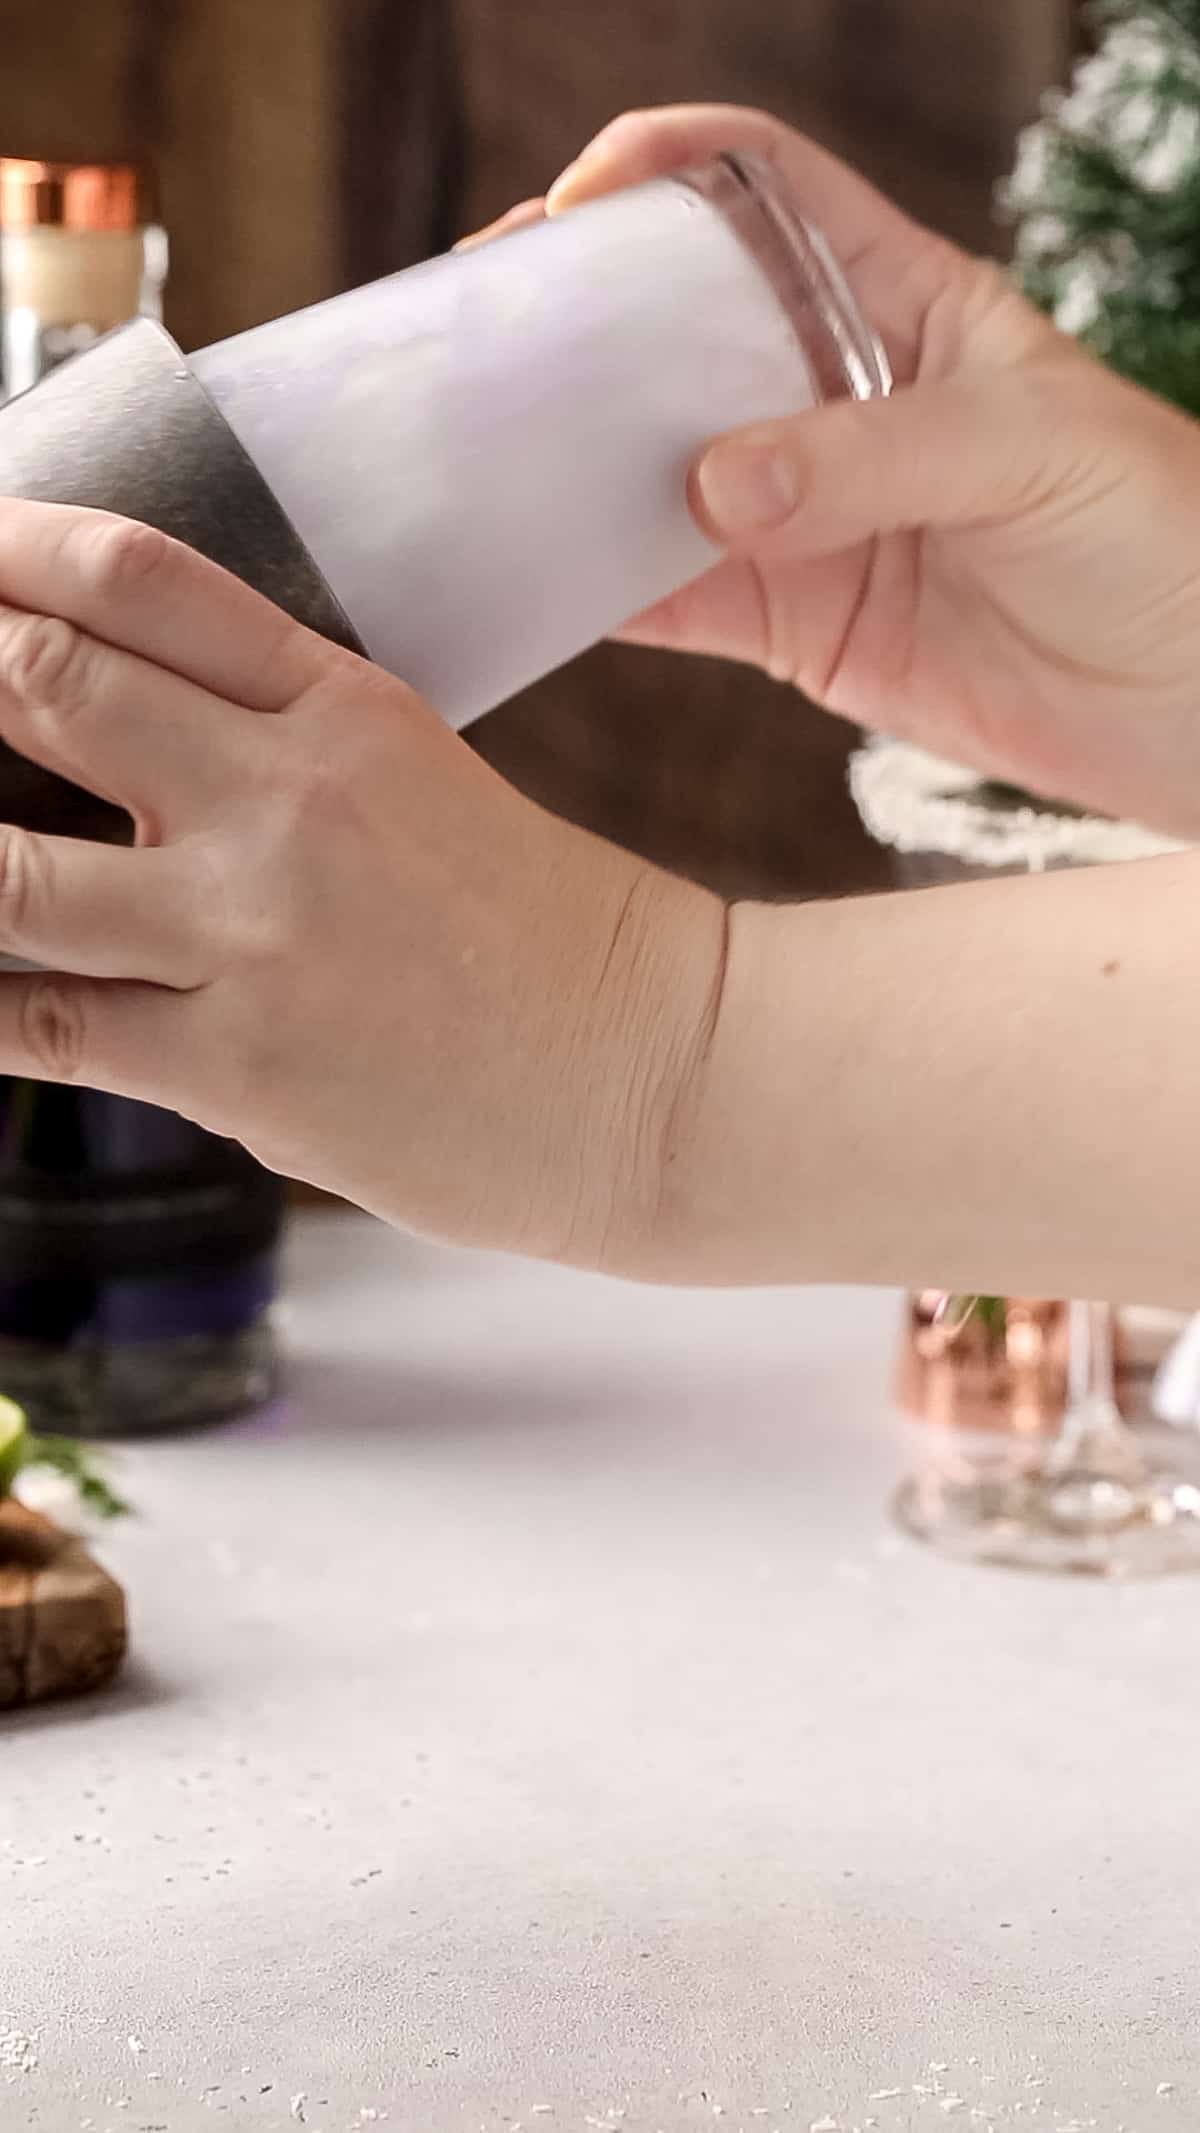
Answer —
846 358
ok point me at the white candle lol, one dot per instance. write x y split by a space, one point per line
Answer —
78 256
66 276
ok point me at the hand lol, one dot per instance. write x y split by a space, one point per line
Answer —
1001 562
341 938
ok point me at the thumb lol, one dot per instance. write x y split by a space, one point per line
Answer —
935 455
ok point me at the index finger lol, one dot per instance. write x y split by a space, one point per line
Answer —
136 589
896 266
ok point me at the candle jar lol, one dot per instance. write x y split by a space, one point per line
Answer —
81 251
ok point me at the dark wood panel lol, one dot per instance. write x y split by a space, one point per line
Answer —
925 95
401 124
248 156
234 103
65 82
302 144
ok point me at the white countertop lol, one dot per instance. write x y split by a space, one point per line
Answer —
536 1722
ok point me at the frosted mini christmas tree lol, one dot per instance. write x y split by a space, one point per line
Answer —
1105 198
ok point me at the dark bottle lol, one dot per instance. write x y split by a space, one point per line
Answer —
138 1254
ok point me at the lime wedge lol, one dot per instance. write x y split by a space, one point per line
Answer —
14 1443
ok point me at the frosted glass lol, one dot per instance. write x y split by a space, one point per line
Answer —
487 455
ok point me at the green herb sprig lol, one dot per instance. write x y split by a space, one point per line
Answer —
83 1469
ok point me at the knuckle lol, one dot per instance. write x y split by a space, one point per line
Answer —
256 1055
22 878
120 555
259 944
294 667
46 662
53 1028
244 928
985 282
262 1055
983 310
317 793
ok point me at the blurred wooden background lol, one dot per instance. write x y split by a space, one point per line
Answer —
308 144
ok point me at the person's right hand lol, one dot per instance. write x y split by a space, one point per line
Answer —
1001 562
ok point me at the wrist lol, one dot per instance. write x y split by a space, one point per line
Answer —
648 984
744 1161
694 1202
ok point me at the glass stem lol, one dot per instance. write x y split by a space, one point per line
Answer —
1093 1437
1092 1363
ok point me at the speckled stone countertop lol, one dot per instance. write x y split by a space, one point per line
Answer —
535 1722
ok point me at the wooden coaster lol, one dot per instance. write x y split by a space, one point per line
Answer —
62 1618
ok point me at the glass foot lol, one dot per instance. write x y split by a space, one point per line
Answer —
1060 1519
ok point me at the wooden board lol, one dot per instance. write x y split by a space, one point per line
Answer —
62 1618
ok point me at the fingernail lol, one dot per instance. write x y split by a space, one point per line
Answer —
747 488
561 185
515 218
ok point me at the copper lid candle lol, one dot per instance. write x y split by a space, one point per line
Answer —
81 251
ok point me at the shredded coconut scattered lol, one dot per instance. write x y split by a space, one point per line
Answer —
18 2050
915 803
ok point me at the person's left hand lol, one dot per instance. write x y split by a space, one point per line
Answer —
340 937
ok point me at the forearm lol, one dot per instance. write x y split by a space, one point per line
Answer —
992 1087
